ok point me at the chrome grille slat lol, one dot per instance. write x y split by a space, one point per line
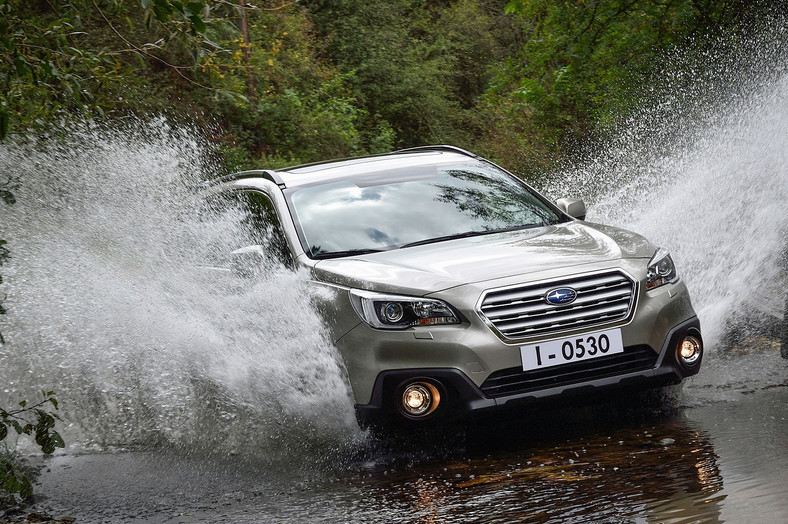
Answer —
539 306
521 311
563 327
548 319
507 296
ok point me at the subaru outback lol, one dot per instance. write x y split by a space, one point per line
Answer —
451 288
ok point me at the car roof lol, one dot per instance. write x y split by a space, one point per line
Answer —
366 166
307 174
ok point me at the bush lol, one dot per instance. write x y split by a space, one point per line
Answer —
35 420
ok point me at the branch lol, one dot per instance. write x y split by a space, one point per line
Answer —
250 7
137 49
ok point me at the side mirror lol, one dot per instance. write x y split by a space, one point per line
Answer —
574 207
248 261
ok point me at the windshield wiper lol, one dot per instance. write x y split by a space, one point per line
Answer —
467 234
346 253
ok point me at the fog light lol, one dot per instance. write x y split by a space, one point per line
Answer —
690 350
420 399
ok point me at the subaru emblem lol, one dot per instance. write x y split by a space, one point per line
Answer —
560 296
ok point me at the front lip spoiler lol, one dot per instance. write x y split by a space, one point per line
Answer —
466 399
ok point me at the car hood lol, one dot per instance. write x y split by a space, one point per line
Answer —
434 267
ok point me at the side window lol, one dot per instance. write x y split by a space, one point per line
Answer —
263 226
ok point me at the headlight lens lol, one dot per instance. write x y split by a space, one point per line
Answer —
400 312
661 270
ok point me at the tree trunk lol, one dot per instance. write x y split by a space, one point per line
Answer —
251 83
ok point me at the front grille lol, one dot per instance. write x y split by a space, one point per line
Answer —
512 381
521 311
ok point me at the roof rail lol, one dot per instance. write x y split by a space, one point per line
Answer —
453 149
267 174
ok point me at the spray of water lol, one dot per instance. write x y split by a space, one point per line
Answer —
702 169
109 308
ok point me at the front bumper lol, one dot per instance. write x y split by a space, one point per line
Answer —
511 388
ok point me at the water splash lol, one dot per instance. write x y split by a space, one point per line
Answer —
702 169
107 308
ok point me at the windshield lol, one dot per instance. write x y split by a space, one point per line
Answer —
408 206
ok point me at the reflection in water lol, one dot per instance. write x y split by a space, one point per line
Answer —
603 464
663 471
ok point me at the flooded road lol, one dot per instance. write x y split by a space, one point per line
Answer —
712 452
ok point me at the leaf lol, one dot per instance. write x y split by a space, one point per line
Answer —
26 490
197 24
47 447
57 440
196 7
22 67
3 431
11 484
23 403
513 7
162 13
45 421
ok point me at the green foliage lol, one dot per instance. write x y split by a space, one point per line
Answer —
583 63
523 81
47 68
166 11
279 102
250 73
36 420
16 478
420 66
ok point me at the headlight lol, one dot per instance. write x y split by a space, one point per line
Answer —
661 270
399 312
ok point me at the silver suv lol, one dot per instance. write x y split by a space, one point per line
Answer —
450 287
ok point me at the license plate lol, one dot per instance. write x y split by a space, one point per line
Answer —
572 349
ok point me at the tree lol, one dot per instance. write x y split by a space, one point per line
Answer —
418 66
583 62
